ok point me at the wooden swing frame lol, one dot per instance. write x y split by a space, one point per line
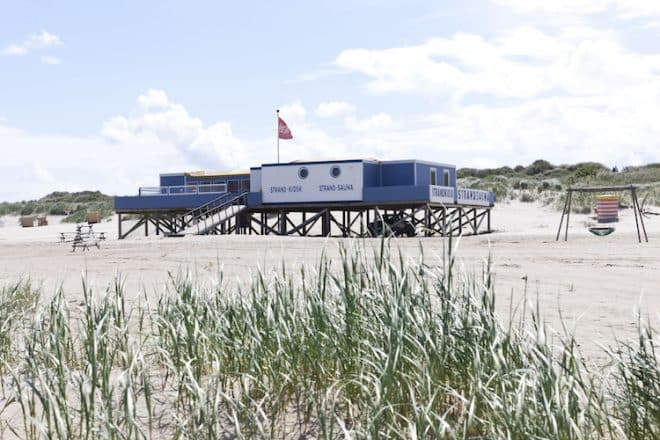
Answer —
639 219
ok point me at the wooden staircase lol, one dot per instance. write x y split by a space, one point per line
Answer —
210 217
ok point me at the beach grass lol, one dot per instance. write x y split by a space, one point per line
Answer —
372 345
17 301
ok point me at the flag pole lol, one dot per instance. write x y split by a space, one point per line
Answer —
278 135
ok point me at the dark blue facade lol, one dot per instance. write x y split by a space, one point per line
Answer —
414 172
172 179
371 173
397 173
445 175
396 193
174 202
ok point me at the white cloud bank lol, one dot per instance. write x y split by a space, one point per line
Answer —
159 136
575 94
333 109
625 9
157 121
32 42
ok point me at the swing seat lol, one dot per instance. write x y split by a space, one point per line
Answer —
601 231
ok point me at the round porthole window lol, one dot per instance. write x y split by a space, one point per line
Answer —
303 172
335 171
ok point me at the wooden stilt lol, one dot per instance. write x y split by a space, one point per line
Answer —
634 203
568 213
563 213
641 216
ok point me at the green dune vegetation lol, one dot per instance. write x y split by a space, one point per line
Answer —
372 345
74 206
546 183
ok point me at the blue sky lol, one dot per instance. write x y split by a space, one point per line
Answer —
107 95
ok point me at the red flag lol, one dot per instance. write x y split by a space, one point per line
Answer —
284 131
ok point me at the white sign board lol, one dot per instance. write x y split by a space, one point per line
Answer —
441 194
467 196
318 182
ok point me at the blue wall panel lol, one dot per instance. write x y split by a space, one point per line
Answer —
396 194
399 173
177 180
254 199
424 174
132 203
371 174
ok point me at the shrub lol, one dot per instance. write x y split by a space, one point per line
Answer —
79 216
527 197
28 209
589 169
58 209
538 167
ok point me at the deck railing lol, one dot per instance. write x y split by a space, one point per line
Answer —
182 190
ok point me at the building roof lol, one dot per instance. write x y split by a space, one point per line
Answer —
217 173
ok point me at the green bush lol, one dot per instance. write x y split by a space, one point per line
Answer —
527 197
61 203
521 184
27 209
538 167
58 209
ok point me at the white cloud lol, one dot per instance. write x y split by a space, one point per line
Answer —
153 100
310 142
559 6
131 150
574 94
40 164
157 120
334 108
378 121
294 111
48 59
33 42
621 8
522 63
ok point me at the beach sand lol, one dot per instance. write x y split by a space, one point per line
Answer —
595 284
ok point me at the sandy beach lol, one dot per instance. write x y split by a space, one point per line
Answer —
595 283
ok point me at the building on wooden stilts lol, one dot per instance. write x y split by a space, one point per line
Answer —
343 198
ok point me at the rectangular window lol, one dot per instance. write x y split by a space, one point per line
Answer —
433 178
445 178
246 185
233 186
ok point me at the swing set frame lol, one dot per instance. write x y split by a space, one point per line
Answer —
639 219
